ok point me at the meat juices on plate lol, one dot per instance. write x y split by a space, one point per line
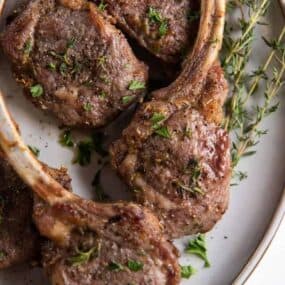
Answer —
174 154
90 243
73 62
19 239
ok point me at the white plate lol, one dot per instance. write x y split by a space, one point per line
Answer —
253 203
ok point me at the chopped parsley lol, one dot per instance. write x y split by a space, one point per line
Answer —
87 106
37 90
83 257
102 6
163 28
155 17
28 47
66 139
99 192
2 254
84 151
187 271
135 265
127 99
197 247
63 68
136 85
34 150
163 132
156 120
71 43
114 266
102 95
52 66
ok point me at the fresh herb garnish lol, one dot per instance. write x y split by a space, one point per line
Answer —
155 17
84 151
52 66
28 47
83 257
114 266
240 118
163 132
102 6
102 95
187 271
156 120
135 265
66 139
2 254
99 192
37 90
87 106
197 247
34 150
127 99
136 85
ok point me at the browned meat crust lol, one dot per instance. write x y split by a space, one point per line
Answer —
19 239
79 66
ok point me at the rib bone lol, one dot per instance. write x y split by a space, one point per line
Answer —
121 232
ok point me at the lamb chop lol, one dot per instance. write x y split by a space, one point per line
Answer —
174 154
73 62
90 243
166 28
19 239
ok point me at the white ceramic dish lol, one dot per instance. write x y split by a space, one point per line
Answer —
236 244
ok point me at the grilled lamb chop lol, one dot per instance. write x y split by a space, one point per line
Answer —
174 154
166 28
91 243
73 62
19 239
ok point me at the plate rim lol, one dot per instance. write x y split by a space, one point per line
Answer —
279 215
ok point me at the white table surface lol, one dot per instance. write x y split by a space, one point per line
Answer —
271 270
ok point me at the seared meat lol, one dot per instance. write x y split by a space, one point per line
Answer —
174 154
91 243
19 239
73 62
166 28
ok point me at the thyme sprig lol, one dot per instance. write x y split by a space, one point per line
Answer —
239 118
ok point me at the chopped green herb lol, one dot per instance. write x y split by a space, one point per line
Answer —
37 90
197 247
28 47
83 257
2 255
102 95
66 139
193 16
71 43
102 6
156 120
87 106
163 132
63 68
163 28
102 60
84 151
135 265
127 99
154 15
52 66
187 271
136 85
34 150
99 192
114 266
